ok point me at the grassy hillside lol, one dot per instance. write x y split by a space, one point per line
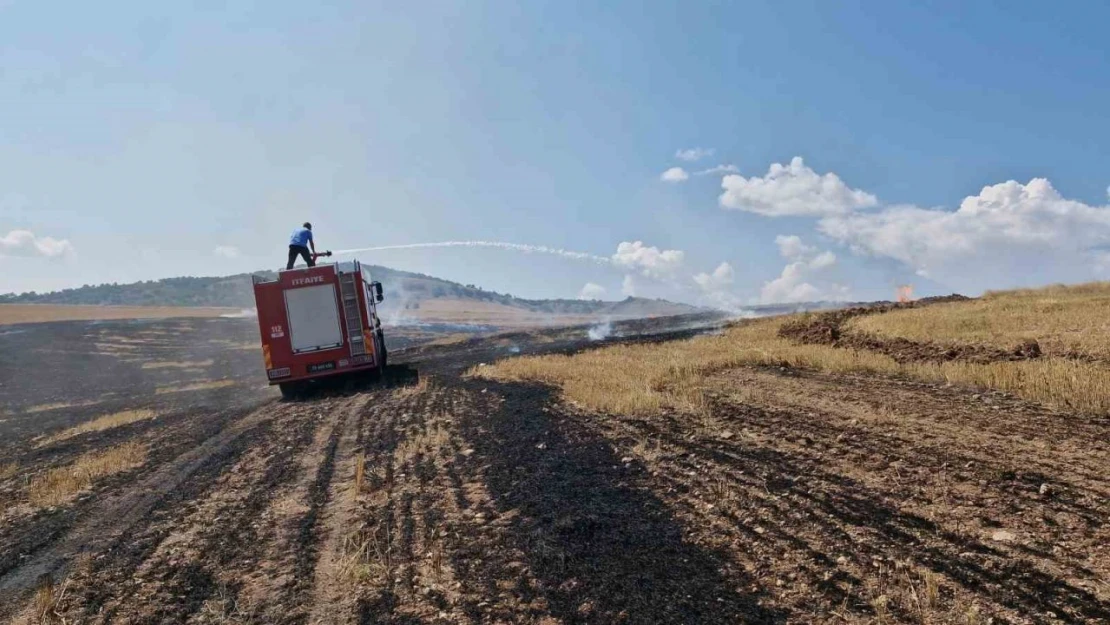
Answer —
403 290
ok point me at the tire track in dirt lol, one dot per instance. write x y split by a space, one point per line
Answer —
352 517
186 547
201 566
25 530
386 556
445 512
111 519
382 547
277 590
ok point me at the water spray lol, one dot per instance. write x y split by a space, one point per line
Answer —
516 247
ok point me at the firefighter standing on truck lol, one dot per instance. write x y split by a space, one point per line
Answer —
299 245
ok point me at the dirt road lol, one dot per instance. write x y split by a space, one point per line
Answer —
436 498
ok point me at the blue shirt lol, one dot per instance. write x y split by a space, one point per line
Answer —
301 237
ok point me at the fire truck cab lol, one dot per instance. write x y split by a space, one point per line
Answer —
317 322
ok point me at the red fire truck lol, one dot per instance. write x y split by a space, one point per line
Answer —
317 322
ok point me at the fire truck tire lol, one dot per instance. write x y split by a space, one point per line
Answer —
384 352
380 369
290 390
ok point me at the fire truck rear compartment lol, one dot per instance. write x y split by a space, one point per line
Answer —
318 323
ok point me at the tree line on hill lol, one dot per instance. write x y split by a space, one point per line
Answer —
403 289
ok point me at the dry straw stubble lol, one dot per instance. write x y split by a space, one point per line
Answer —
58 485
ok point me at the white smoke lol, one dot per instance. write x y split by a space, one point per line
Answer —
516 247
628 286
600 331
226 251
246 313
395 312
591 291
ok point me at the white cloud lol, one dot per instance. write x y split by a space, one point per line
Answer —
226 251
650 261
792 189
1009 234
716 290
693 154
790 286
791 246
719 169
628 286
25 243
796 282
822 260
592 291
721 278
674 175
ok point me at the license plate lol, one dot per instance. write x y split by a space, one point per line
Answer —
322 366
278 373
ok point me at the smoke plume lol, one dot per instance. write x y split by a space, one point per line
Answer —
600 331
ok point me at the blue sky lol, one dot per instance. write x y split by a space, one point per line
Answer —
135 141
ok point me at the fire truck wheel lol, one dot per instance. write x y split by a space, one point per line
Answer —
379 371
290 390
381 344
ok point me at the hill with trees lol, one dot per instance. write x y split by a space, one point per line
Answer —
404 291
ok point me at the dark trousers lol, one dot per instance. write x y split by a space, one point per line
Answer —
294 250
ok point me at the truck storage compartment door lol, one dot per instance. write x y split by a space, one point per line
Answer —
313 318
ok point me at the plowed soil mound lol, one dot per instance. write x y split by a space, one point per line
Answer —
905 350
827 329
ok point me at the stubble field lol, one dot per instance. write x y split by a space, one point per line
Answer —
753 474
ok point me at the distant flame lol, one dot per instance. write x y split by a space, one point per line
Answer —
905 293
